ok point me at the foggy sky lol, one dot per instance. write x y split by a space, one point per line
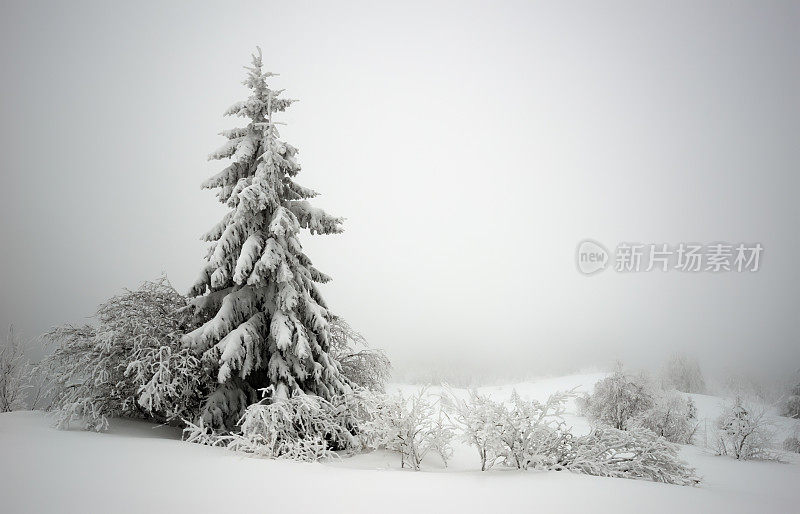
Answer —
470 146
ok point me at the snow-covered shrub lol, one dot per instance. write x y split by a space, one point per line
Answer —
365 367
791 406
14 369
683 374
358 414
792 444
480 421
534 435
412 427
745 432
303 427
619 397
582 404
636 453
310 428
673 417
129 364
440 437
519 433
528 435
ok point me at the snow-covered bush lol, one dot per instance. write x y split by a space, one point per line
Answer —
358 414
310 428
636 453
520 434
792 444
412 427
129 364
791 406
618 398
303 427
480 421
745 432
14 369
582 404
534 435
365 367
87 372
528 435
683 374
673 417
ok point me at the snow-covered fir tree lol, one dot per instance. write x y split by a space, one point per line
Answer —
267 325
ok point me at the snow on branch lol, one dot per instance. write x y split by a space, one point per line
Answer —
365 367
315 219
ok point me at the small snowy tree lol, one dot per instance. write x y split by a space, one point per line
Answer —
441 436
745 432
619 397
673 417
481 422
534 435
267 324
14 368
683 374
363 367
413 427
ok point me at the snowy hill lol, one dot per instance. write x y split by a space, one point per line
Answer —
139 467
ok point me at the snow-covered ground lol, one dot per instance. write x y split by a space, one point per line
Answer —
138 467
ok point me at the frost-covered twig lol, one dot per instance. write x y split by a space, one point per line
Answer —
14 368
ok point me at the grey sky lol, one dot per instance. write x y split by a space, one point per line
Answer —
470 145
